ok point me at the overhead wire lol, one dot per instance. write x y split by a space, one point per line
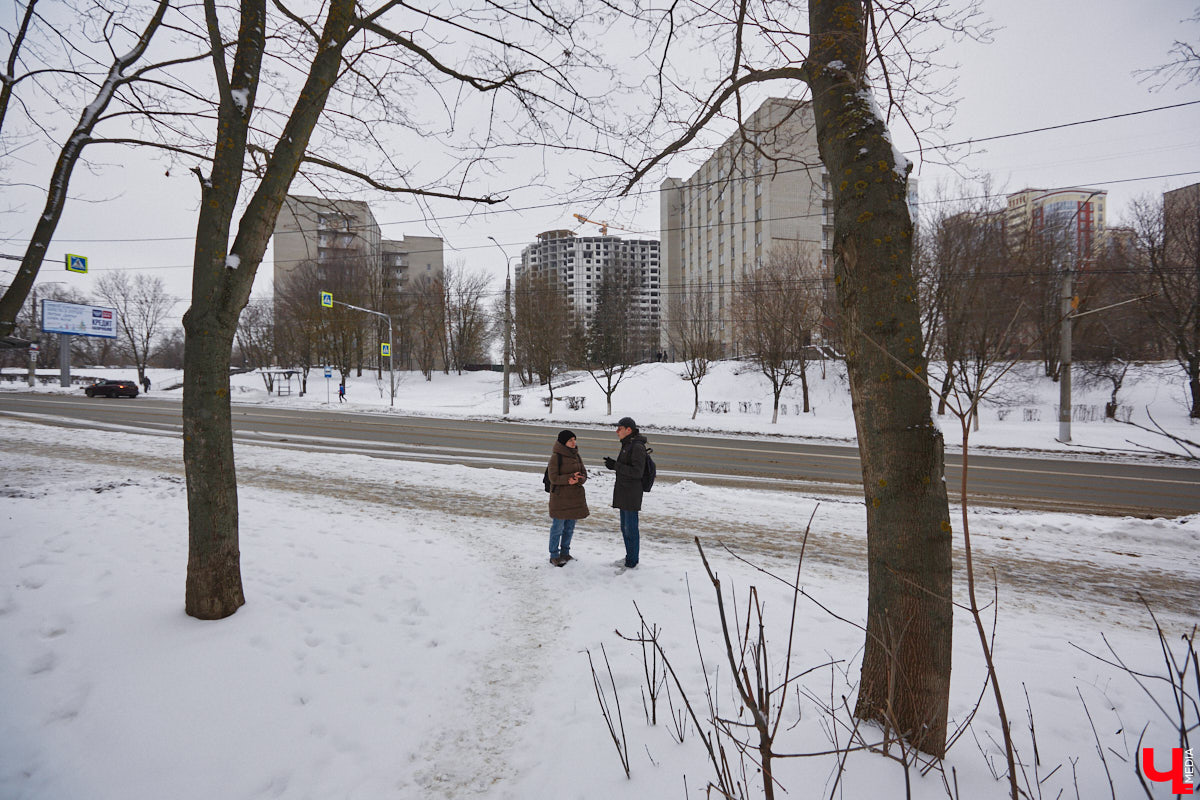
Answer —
729 179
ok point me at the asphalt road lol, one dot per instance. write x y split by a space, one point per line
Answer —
1051 482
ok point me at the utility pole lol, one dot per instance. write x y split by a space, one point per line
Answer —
1068 309
507 331
507 320
1064 375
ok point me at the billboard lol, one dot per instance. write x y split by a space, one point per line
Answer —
79 320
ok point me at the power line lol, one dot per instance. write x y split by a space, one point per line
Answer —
682 228
1061 126
728 179
718 225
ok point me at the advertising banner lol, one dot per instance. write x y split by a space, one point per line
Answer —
79 320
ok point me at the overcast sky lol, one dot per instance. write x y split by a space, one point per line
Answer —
1049 63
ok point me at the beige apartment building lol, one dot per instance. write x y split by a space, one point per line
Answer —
322 231
328 232
338 234
1181 226
764 188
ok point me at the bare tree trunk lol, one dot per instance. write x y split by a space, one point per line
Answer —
214 575
695 400
221 287
947 382
804 385
906 662
1194 386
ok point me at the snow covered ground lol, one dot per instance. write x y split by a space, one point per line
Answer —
404 636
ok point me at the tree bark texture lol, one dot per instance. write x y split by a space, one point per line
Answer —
906 662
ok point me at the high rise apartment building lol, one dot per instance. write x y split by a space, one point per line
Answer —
1075 217
578 264
316 230
764 189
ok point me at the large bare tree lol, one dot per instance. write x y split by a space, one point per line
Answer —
775 312
300 320
852 51
1168 247
976 297
617 335
546 339
692 335
255 339
354 61
468 328
427 321
143 308
97 92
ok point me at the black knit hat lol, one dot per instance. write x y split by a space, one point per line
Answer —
565 436
626 422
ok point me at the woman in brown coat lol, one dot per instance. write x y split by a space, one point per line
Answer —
568 499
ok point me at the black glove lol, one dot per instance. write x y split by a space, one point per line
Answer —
610 462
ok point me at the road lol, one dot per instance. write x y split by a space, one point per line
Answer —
1025 481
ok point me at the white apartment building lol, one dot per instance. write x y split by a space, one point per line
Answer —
579 263
764 188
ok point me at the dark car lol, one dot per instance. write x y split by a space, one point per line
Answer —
112 389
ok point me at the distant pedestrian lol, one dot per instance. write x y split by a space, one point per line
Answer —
342 391
629 465
568 498
146 383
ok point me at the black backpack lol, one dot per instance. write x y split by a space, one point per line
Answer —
650 473
549 487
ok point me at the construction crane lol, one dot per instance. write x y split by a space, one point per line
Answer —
603 225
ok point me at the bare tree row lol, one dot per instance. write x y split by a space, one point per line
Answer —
438 322
989 297
147 329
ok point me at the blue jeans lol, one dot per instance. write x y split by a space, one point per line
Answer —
629 531
561 531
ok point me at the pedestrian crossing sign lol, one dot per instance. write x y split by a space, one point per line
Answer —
385 349
76 263
327 299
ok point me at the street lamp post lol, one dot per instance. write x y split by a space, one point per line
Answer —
391 341
507 320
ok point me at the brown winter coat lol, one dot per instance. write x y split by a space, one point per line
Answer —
567 501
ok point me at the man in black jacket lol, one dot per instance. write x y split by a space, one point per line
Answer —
629 465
